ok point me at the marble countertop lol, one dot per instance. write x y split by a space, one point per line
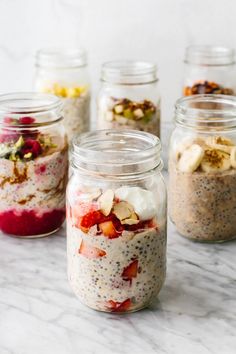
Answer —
195 312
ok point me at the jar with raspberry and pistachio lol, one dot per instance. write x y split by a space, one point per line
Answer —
64 73
33 164
209 70
129 97
116 220
202 168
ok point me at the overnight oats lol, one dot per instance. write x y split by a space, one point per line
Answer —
202 169
33 165
64 74
116 221
209 70
129 97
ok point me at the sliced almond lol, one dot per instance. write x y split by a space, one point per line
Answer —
92 193
123 210
106 201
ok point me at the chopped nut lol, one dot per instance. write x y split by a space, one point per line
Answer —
106 201
123 210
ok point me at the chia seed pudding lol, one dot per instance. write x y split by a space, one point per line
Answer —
33 179
116 252
202 193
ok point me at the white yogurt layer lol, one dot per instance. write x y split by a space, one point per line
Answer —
142 201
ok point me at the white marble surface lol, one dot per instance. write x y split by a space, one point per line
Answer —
195 312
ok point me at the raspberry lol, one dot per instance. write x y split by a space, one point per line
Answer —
26 120
32 146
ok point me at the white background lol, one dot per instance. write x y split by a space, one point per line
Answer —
155 30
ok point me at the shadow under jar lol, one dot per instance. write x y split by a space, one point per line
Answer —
202 168
129 97
116 220
64 73
209 70
33 164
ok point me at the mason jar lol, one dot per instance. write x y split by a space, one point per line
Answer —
129 97
33 164
202 168
209 70
116 220
64 73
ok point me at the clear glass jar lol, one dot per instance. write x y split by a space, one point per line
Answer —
209 70
129 97
65 74
202 168
33 164
116 220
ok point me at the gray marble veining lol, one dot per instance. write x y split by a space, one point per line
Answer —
195 311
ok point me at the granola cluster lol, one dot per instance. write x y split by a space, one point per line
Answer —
207 87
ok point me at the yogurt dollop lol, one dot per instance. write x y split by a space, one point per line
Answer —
141 199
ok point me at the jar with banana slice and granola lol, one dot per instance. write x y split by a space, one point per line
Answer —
202 168
129 97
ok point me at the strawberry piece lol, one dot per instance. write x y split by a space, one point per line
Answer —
92 218
130 271
90 252
32 146
26 120
108 229
115 306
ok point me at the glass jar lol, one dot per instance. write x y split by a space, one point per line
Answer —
33 164
129 97
116 220
65 74
202 168
209 70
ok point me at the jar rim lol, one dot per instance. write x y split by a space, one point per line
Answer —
129 72
61 58
209 55
27 103
206 111
115 152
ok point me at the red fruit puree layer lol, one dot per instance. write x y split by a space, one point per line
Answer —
29 223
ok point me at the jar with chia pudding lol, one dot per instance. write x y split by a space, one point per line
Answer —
64 73
202 168
209 70
33 164
129 97
116 220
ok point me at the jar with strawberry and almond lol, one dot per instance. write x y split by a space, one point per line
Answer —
129 97
116 220
209 70
202 168
33 164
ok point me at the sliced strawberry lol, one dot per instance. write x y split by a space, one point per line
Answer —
115 306
90 252
130 271
108 229
91 218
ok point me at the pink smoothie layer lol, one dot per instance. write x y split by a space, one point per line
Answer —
29 222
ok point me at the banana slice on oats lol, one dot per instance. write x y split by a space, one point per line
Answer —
233 157
185 144
215 160
191 158
106 201
220 143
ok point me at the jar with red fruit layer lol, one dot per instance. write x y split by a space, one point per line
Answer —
129 97
116 220
209 70
33 164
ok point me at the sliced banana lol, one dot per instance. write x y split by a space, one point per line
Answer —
220 143
215 160
233 157
191 158
185 144
106 201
